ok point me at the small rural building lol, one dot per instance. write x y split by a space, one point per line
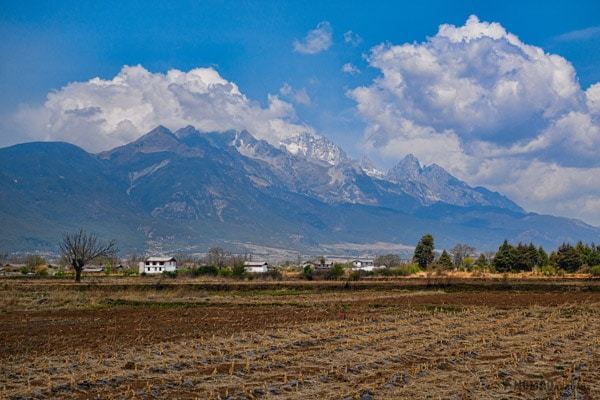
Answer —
256 267
363 264
158 265
13 269
93 269
318 265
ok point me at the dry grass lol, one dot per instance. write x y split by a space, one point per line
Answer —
384 344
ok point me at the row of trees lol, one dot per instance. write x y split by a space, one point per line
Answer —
508 258
80 248
525 257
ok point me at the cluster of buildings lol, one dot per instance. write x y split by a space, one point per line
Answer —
357 264
158 265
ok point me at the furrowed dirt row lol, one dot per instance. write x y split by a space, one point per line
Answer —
361 344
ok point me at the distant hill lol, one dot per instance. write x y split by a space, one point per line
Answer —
187 190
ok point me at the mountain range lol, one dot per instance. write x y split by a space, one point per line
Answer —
187 190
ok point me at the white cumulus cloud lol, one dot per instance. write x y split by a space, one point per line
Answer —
491 109
316 40
350 68
99 114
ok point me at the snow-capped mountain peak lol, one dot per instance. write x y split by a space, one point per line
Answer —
315 147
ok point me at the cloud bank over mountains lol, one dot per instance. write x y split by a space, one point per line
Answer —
99 114
492 110
475 99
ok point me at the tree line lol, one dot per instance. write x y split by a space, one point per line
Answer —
80 248
521 257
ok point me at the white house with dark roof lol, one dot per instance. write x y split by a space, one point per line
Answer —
363 265
158 265
256 267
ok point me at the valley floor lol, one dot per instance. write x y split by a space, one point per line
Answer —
265 340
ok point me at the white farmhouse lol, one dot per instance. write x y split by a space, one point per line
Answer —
256 267
363 265
158 265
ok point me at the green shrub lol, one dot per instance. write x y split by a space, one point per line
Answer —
468 263
129 272
308 273
224 272
336 272
411 269
403 270
204 270
595 270
238 270
60 273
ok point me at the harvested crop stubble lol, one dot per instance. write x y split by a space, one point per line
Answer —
437 351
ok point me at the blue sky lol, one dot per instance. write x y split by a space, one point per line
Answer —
48 45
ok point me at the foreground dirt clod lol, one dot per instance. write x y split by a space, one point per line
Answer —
366 344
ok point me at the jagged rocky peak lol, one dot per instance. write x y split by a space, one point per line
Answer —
308 145
432 184
315 147
439 174
409 168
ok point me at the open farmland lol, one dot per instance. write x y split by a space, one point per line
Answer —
379 340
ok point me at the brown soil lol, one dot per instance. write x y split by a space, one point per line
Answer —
53 332
388 344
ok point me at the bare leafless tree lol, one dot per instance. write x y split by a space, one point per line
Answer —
460 252
79 248
216 257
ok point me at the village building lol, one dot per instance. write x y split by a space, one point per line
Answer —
93 269
318 265
365 265
158 265
256 267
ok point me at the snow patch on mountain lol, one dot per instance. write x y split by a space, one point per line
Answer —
135 175
370 169
315 147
